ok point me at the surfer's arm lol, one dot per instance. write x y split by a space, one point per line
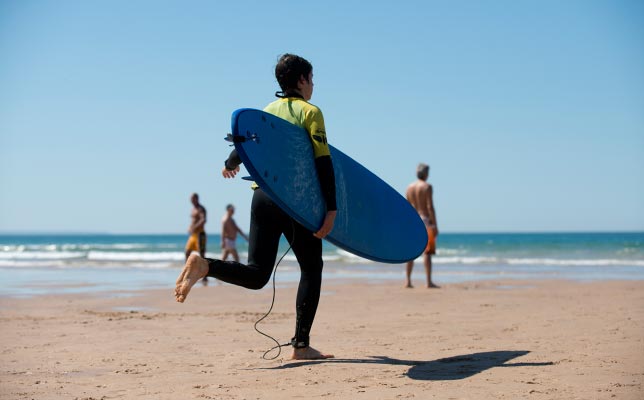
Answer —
324 167
327 225
326 176
231 165
314 125
233 161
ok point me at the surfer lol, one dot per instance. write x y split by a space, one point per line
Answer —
268 222
229 231
420 195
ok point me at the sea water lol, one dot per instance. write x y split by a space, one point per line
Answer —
40 264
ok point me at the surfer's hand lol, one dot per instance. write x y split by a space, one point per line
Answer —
327 225
229 173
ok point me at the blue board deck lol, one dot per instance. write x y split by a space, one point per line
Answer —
373 221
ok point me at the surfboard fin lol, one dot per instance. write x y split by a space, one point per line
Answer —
241 139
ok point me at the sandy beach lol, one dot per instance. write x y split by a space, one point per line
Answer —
480 340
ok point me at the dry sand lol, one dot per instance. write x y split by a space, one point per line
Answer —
485 340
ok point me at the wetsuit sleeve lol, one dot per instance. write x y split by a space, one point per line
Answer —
233 160
323 164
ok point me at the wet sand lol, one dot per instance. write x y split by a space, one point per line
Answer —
492 339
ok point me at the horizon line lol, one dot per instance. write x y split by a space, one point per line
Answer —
499 232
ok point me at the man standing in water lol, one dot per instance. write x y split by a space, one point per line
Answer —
229 231
197 240
420 195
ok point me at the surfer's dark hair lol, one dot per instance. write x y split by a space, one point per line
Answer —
288 71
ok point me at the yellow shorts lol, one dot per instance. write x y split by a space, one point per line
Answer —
431 241
196 242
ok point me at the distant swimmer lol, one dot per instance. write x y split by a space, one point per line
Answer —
197 240
420 195
229 231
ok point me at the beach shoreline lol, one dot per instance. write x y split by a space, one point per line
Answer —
512 338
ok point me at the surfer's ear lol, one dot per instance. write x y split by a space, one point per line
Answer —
304 79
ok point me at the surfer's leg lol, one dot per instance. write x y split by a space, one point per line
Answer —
308 251
266 223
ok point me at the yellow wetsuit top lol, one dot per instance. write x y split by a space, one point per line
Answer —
305 115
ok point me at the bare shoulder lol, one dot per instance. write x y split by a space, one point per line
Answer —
424 187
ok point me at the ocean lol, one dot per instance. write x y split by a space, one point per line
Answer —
42 264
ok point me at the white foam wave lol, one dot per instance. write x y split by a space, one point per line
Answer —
135 256
535 261
465 260
116 246
19 256
450 252
573 262
136 264
347 257
84 247
41 255
31 264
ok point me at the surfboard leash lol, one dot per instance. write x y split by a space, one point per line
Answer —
278 345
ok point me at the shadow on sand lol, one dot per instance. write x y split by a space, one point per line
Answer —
444 369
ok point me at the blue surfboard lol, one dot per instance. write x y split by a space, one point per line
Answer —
373 220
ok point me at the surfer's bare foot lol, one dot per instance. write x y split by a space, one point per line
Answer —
433 286
309 353
195 269
408 285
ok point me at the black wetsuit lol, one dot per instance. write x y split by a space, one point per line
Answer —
268 222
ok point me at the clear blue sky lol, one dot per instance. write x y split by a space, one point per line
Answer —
530 113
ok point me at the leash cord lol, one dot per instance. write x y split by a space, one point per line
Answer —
278 345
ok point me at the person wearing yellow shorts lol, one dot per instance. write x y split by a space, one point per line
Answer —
420 195
197 240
